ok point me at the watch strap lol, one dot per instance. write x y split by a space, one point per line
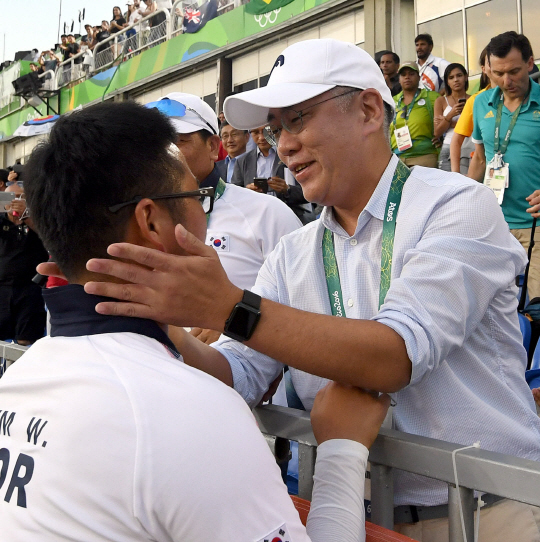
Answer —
251 299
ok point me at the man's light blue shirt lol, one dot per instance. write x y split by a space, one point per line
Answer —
229 163
452 299
265 163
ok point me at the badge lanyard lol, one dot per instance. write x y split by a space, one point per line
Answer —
497 147
409 109
331 271
220 189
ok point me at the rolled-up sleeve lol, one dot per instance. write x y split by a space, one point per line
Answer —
252 371
465 257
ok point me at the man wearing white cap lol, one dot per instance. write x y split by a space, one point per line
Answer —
393 253
243 227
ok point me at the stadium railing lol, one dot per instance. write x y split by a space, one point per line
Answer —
118 46
487 472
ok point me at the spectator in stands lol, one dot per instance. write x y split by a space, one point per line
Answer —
178 456
22 312
432 328
103 50
64 46
448 109
75 49
234 142
264 163
461 147
389 65
511 110
117 24
36 68
431 67
412 129
134 17
4 174
49 61
88 38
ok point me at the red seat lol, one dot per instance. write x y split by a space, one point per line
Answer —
374 533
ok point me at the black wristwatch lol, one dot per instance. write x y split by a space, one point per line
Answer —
244 317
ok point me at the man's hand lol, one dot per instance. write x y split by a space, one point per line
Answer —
167 288
534 202
12 177
207 336
278 185
252 186
437 142
346 412
15 210
50 269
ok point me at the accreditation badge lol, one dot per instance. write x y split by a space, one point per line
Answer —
403 138
497 178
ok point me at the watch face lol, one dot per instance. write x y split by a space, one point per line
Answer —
242 322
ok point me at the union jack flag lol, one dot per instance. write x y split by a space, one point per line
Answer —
192 16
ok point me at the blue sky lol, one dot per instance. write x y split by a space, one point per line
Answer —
29 24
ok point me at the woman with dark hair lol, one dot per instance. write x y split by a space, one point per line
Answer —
117 23
461 146
448 109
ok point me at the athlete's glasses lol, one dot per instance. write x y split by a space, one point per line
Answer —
204 195
172 108
292 120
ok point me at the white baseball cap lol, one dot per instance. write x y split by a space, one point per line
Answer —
302 71
201 116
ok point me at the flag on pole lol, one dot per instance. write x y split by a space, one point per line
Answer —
258 7
196 18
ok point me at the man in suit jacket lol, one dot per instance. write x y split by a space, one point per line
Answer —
264 162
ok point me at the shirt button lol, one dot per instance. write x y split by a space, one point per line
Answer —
350 302
353 242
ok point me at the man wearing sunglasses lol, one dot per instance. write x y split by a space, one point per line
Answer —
107 435
404 285
243 228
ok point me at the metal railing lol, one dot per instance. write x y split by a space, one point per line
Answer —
70 70
125 43
9 353
489 472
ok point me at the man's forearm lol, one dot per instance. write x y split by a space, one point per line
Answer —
477 167
199 355
371 355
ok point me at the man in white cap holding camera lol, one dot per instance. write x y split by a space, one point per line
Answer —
417 266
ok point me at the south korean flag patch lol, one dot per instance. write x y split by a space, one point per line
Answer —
279 535
220 241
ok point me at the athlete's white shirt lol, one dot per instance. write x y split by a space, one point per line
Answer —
244 228
123 442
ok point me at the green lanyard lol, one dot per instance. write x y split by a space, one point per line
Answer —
331 270
220 189
497 147
408 110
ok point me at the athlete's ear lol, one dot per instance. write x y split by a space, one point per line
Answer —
149 224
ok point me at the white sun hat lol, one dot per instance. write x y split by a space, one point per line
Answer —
195 114
302 71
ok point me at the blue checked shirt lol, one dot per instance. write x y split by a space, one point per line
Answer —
452 299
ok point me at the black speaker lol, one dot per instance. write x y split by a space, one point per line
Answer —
27 85
20 55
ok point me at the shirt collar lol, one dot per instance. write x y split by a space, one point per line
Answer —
271 152
534 96
212 180
376 205
428 62
73 315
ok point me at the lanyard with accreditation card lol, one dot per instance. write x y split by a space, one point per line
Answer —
403 135
497 174
331 270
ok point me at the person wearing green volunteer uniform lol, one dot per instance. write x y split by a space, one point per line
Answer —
507 138
411 132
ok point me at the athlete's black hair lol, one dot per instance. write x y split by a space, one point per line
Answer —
95 158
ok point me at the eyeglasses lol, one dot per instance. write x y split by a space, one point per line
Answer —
292 120
232 135
172 108
204 195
